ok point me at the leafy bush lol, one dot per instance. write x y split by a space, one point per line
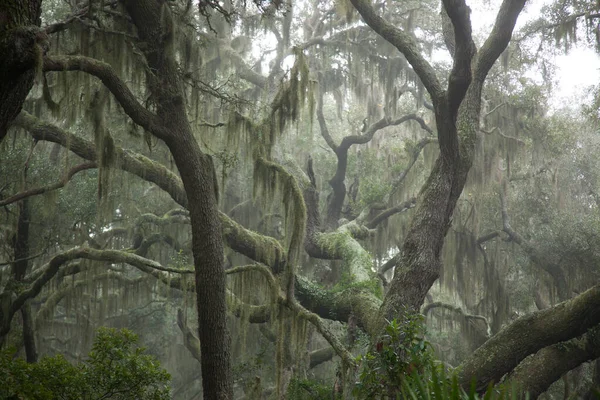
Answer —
308 390
401 351
436 386
115 369
401 366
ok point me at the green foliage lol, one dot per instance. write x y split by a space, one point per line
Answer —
373 191
437 386
401 351
347 281
115 369
304 389
401 366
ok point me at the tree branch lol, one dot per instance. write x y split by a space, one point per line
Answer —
498 39
103 71
535 374
528 334
52 267
49 188
464 50
406 45
385 214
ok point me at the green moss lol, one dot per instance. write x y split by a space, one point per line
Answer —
347 282
272 182
341 244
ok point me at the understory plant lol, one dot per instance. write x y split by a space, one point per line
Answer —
401 365
114 369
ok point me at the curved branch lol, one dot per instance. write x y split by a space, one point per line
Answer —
528 334
52 267
476 326
498 38
406 45
385 214
103 71
535 374
322 124
143 247
49 188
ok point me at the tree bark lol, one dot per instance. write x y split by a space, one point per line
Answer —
198 176
536 373
527 335
22 45
457 118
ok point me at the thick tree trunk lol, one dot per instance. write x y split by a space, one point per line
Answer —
196 171
154 24
457 111
22 45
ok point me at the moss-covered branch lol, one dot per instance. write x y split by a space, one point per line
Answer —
358 299
340 245
49 270
536 373
260 248
103 71
528 334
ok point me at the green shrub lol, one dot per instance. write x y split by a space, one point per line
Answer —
115 369
401 366
401 351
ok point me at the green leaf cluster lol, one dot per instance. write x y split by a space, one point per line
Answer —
115 369
402 366
304 389
398 353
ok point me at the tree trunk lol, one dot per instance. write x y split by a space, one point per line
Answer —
196 171
457 110
19 269
22 45
154 23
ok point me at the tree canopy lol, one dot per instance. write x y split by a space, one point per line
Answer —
269 193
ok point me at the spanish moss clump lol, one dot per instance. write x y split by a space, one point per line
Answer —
272 182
